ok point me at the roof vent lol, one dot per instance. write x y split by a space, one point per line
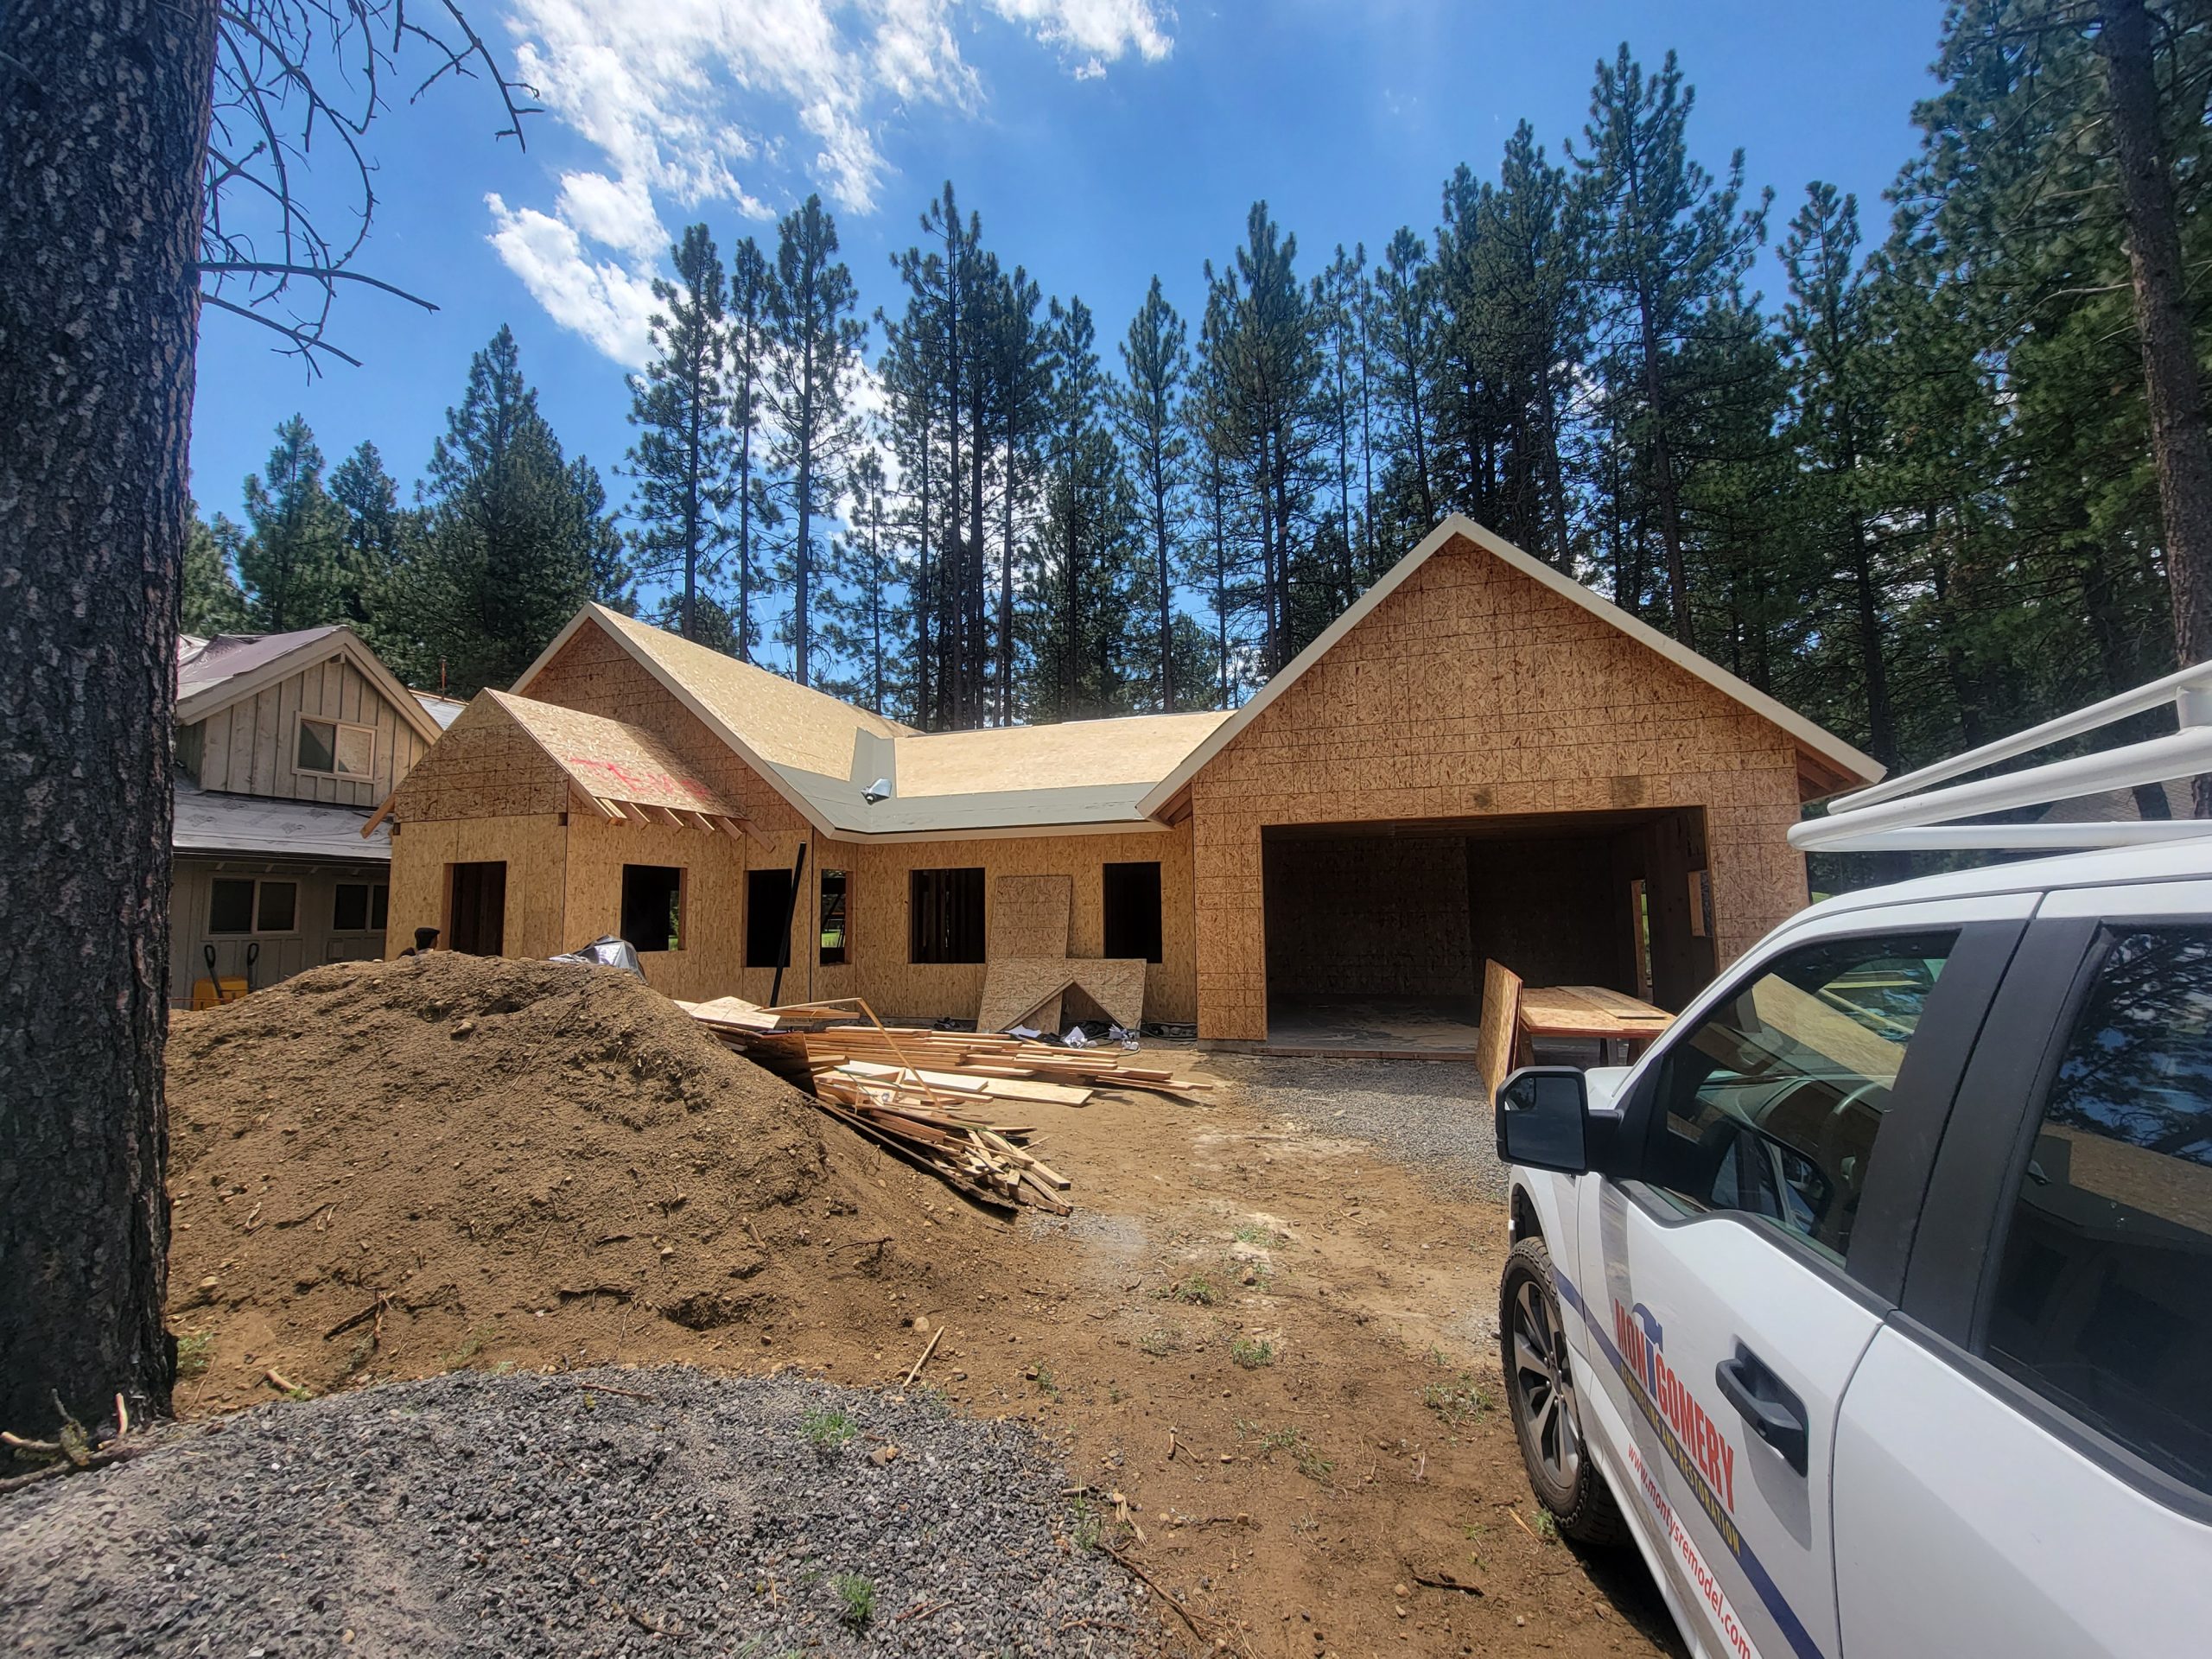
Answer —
878 790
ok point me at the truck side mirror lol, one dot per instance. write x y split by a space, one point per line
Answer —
1543 1120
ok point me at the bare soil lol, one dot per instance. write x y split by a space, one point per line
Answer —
1270 1354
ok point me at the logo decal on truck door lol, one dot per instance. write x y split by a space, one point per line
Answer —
1691 1438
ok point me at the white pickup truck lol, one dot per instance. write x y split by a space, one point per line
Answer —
1875 1304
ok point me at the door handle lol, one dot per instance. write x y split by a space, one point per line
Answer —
1765 1402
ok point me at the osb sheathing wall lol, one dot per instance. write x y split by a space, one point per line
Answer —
1474 691
879 894
535 850
483 766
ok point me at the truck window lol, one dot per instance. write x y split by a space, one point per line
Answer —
2104 1298
1773 1102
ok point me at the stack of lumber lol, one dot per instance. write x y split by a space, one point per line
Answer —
908 1116
932 1097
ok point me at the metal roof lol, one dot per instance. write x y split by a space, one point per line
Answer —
201 664
211 824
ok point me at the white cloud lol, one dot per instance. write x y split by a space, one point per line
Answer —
1099 29
618 212
607 303
736 102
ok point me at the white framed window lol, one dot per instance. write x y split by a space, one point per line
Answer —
242 904
333 748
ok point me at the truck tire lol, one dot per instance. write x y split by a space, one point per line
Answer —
1540 1391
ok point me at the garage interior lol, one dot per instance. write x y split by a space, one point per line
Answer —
1376 933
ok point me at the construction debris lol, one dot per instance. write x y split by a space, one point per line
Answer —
931 1097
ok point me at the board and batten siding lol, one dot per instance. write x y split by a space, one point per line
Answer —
313 940
249 748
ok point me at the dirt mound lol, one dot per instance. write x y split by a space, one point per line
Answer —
395 1168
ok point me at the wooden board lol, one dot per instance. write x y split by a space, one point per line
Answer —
1501 1023
1570 1011
1028 915
1014 987
1115 984
1055 1094
1622 1005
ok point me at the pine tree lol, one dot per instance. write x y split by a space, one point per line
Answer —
1827 329
817 341
211 601
369 499
1512 269
1017 368
290 561
1670 245
1156 361
609 579
752 294
1089 543
683 455
1269 370
1339 301
865 618
1404 340
909 382
505 551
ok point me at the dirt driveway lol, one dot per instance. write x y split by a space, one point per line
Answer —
1270 1343
1265 1341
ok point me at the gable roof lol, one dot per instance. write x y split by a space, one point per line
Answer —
609 759
214 673
1824 746
823 754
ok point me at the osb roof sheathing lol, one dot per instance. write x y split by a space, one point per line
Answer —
1136 749
785 724
612 760
825 755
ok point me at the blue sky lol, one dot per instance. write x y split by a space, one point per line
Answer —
1102 141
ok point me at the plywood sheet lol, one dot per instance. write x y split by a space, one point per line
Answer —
1116 985
1029 916
1016 986
1501 1023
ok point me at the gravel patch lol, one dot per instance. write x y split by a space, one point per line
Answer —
1432 1115
476 1514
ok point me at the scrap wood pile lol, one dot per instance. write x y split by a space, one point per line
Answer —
933 1098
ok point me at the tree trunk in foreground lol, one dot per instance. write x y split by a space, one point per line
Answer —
104 112
2179 442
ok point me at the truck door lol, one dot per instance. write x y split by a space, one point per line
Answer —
1718 1285
2024 1459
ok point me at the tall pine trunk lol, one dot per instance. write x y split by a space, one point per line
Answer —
1006 588
2179 443
802 493
103 114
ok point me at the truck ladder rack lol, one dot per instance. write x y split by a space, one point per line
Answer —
1919 811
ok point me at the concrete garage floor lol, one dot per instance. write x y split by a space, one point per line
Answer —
1374 1028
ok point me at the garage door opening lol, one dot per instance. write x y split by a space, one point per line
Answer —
1376 933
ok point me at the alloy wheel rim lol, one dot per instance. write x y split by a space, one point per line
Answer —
1542 1386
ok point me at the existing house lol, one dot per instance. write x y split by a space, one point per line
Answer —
284 744
1480 758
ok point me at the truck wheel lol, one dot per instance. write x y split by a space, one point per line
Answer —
1540 1386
